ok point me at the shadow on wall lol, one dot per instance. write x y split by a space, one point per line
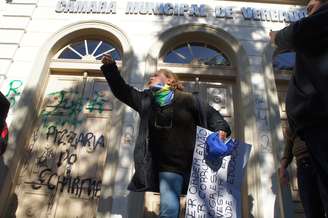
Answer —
274 188
250 206
18 133
13 205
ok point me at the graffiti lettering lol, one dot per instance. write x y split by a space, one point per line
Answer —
66 107
265 144
42 160
29 149
74 185
66 156
97 102
14 91
73 139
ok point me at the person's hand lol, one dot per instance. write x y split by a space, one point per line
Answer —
107 59
273 35
222 135
283 176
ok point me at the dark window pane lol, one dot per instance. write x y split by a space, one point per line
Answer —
116 55
172 57
103 48
106 47
196 53
284 61
203 53
68 54
92 45
79 47
222 60
183 54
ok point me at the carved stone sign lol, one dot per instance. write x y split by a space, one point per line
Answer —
177 9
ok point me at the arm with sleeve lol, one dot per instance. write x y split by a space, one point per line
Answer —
4 108
288 149
306 34
121 90
215 121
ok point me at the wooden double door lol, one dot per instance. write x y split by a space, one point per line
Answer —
61 173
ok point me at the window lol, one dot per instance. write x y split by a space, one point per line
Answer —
283 61
196 53
89 49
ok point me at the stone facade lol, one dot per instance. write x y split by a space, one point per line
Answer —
32 32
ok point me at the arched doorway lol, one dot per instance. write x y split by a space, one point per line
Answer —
62 169
209 61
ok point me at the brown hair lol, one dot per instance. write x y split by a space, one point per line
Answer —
321 1
175 83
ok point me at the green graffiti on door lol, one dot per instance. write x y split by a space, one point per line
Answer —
97 103
66 110
14 91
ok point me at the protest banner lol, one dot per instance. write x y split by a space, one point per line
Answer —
215 187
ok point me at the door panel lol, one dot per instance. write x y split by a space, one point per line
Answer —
63 168
218 95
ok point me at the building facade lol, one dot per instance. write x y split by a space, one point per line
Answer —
71 141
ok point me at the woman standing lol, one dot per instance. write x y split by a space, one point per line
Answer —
165 143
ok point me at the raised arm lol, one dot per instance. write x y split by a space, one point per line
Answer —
284 38
288 156
311 33
307 34
121 90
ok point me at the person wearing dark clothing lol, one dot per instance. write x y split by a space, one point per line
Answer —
307 96
306 175
165 143
4 108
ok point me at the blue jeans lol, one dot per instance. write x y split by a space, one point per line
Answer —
170 186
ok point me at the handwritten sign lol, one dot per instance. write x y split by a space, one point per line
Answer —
215 188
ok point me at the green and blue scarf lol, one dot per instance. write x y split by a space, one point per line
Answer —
163 94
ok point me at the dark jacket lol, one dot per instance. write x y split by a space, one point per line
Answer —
145 177
4 108
307 96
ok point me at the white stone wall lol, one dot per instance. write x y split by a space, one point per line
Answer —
15 59
27 25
